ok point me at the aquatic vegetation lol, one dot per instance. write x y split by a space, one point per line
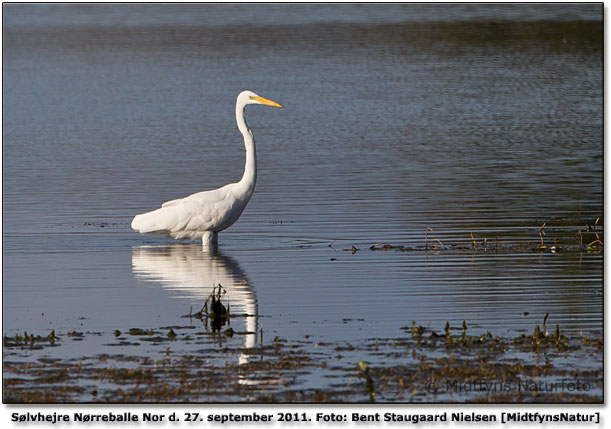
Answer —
422 366
363 368
426 240
214 311
140 332
30 340
594 246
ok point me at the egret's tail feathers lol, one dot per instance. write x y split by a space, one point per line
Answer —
147 223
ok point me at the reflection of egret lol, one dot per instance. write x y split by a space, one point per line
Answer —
188 272
204 214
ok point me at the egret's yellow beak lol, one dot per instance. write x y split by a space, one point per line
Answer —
266 101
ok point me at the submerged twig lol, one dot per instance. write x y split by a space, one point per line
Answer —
542 233
426 237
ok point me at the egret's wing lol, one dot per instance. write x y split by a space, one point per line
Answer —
197 212
172 202
211 197
181 216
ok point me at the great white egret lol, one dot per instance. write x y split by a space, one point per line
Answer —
204 214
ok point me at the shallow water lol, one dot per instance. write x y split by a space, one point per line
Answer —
468 119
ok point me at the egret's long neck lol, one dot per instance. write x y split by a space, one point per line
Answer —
249 179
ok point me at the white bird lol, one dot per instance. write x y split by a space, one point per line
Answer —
204 214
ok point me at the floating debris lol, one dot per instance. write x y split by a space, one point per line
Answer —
140 331
385 247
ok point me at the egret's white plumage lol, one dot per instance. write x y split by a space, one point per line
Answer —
204 214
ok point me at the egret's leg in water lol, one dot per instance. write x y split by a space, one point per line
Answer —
209 239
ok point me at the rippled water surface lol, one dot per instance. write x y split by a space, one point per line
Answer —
482 122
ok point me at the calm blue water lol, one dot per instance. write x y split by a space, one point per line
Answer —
468 119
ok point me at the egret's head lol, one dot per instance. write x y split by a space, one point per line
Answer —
249 97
